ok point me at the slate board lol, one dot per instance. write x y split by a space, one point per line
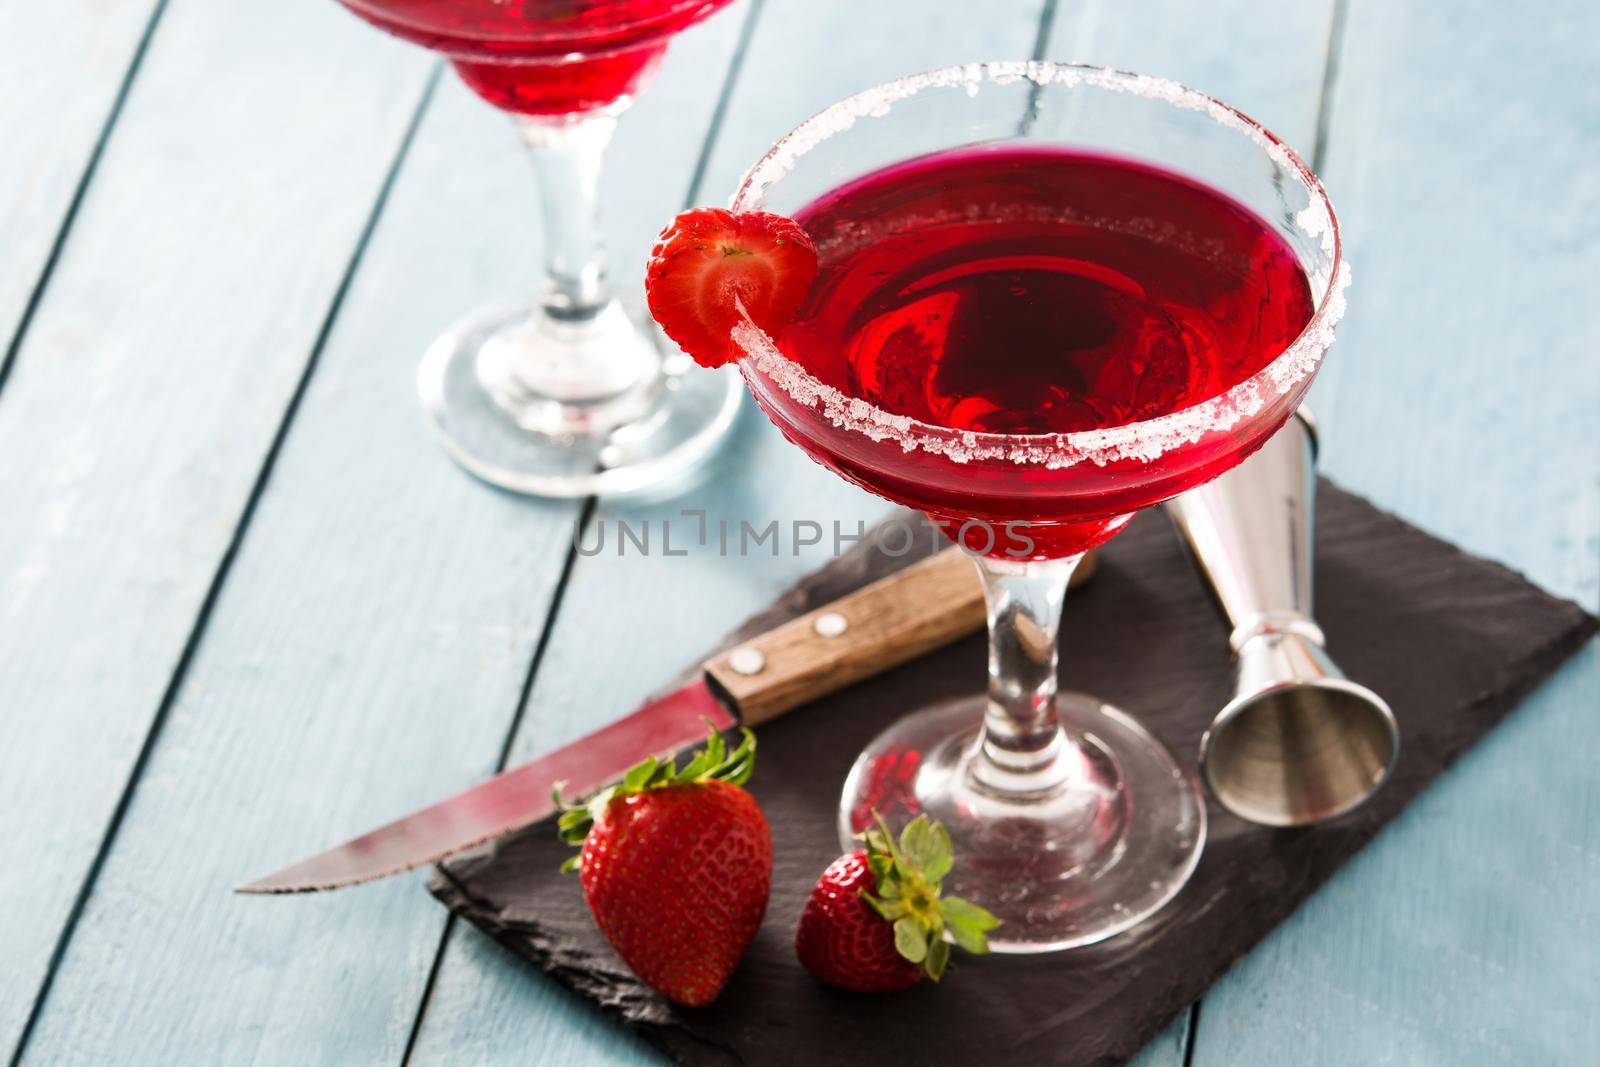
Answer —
1452 641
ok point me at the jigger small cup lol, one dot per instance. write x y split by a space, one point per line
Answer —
1299 743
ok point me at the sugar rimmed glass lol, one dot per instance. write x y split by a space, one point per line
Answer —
562 394
1071 822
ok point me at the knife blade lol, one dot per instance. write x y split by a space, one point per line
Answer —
894 619
519 797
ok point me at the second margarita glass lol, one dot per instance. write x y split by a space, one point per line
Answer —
1070 821
562 395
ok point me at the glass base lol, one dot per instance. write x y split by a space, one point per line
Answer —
549 408
1070 867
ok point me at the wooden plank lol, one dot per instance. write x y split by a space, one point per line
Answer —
1262 57
1464 935
148 389
1483 375
62 69
628 623
1462 393
368 652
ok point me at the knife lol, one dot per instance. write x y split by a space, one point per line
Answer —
897 618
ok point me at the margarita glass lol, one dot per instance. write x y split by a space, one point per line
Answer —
1070 821
562 395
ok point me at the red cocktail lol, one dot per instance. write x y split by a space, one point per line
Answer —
1025 289
543 57
561 395
1048 296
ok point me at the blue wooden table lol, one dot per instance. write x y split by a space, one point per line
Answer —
247 607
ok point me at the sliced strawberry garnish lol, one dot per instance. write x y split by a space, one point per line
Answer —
708 262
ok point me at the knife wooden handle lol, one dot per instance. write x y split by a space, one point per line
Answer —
926 605
894 619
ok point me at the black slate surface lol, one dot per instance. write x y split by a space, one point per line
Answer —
1452 641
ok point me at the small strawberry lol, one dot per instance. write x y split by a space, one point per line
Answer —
676 867
709 262
875 922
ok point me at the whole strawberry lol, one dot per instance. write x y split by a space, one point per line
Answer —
875 921
676 868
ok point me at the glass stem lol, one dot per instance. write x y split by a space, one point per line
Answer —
577 363
1024 750
568 154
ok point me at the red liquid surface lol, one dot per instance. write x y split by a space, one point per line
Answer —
543 57
1025 290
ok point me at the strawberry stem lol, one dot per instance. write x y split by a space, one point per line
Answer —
906 875
713 763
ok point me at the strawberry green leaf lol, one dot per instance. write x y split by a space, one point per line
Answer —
938 958
890 910
941 855
958 910
968 923
917 842
740 763
699 765
968 939
639 774
909 939
715 750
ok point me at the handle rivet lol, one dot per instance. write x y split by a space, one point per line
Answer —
830 624
747 661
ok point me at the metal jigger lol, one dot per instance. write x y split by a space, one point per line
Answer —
1298 743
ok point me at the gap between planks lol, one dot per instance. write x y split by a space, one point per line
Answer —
70 216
